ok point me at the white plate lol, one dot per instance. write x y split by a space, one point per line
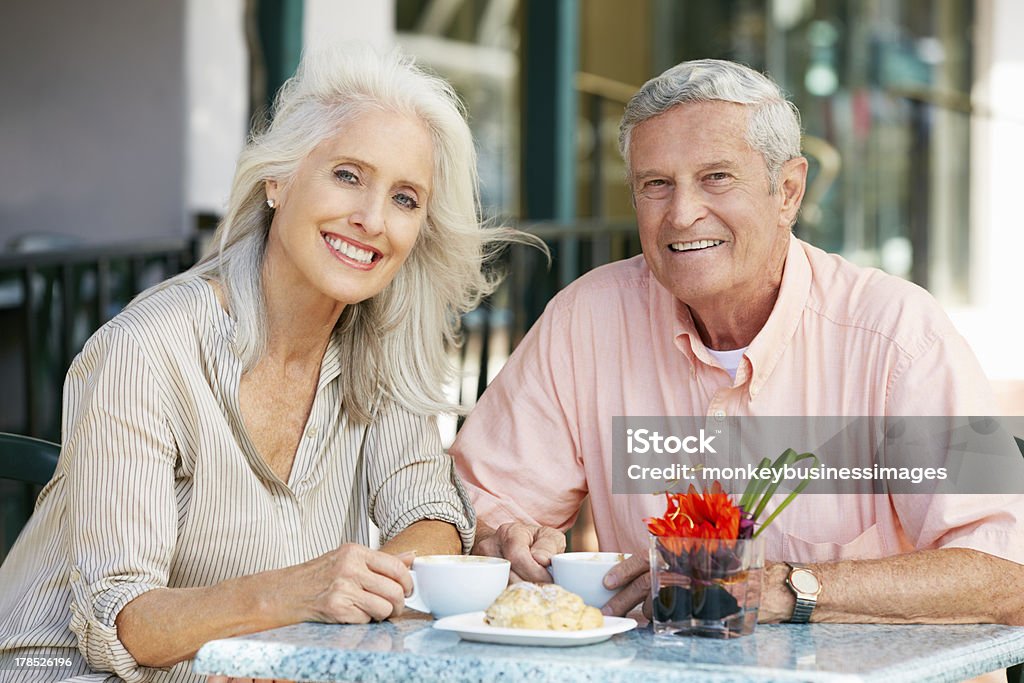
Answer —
471 626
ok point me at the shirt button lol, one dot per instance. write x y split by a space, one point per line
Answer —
312 432
719 414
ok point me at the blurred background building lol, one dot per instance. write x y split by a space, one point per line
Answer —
122 120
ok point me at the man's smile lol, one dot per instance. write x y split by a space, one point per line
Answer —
695 245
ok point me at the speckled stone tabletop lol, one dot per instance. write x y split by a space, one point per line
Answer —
409 649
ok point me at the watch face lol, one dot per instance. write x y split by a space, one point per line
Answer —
804 581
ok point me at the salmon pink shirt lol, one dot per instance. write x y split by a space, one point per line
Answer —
841 341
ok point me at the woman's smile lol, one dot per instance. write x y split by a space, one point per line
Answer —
352 253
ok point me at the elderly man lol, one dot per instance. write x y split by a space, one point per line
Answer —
728 314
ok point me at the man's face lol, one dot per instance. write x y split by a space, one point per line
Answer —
711 231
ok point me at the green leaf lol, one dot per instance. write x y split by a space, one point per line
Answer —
788 458
755 487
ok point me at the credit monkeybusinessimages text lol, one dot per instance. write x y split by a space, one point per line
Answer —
648 441
835 454
677 472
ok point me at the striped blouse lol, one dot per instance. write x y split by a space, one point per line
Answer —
158 485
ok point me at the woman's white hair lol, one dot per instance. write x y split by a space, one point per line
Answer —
395 343
773 128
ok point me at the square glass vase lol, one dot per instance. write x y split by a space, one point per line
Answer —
705 587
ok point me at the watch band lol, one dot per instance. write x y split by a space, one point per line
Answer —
805 602
802 610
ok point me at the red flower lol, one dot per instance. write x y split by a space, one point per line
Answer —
711 515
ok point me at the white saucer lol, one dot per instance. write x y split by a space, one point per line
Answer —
471 626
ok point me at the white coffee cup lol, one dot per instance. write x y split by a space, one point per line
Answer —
454 584
583 574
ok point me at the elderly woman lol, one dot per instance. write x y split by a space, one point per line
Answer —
230 436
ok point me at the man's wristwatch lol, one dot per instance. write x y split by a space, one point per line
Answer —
806 588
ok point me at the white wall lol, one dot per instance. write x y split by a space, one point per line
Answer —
994 325
330 22
92 120
218 101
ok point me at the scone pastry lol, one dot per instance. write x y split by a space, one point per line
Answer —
542 607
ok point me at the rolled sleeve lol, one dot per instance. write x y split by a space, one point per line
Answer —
411 478
96 631
121 509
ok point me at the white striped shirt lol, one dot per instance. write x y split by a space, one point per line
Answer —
158 485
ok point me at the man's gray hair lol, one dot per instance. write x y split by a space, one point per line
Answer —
773 128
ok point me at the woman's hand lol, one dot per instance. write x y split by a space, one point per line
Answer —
353 585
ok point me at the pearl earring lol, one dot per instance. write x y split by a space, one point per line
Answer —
271 203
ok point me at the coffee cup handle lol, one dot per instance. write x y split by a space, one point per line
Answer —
415 601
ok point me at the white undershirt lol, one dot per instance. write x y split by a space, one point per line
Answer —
729 360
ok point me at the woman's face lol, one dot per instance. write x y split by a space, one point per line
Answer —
348 219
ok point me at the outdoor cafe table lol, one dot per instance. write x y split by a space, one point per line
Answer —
409 649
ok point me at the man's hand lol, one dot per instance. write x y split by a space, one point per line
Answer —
943 586
777 601
632 579
529 548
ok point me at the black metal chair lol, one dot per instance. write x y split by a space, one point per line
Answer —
27 459
30 463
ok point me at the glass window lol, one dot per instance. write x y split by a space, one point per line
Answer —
474 46
883 87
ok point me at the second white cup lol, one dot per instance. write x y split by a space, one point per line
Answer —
583 574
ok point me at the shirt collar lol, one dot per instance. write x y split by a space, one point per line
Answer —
330 368
767 348
773 339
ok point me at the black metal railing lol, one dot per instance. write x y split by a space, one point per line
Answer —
51 302
495 328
